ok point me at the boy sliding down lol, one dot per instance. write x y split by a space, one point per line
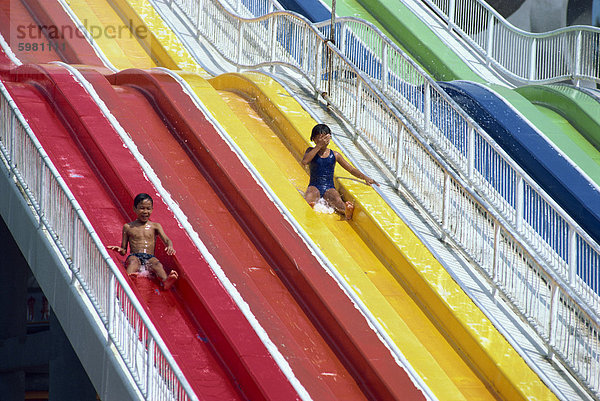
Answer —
141 234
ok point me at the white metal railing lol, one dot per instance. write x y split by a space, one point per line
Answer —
140 347
544 296
570 53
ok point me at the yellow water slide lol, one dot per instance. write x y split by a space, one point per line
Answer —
448 341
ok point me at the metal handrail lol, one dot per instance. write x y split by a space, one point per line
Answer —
128 327
569 53
483 231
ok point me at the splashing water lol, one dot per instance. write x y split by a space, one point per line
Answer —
144 272
323 207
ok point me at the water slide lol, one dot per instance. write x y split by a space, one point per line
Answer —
326 341
273 143
579 106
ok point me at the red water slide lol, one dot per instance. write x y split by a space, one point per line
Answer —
216 348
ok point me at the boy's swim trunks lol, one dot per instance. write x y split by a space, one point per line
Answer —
321 172
143 257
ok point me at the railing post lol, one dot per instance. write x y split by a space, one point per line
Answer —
451 12
199 19
533 59
552 320
399 150
384 65
427 109
572 244
149 367
496 259
74 249
273 23
342 42
111 307
239 44
40 200
446 203
520 203
471 152
577 73
12 146
318 67
490 39
357 105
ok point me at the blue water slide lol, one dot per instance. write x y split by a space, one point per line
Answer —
314 10
527 146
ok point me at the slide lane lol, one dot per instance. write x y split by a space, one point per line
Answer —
579 106
211 340
493 357
369 363
428 316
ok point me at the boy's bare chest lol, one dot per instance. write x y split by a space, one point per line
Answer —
142 233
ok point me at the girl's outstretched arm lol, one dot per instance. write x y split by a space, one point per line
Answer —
353 170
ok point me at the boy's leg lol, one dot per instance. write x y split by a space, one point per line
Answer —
333 197
158 269
312 195
133 265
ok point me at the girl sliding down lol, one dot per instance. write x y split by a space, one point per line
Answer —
322 160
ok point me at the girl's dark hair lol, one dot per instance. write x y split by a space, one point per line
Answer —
142 197
319 129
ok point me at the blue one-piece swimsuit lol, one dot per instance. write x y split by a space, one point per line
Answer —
321 172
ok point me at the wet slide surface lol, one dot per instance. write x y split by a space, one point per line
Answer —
432 355
421 339
239 348
237 251
220 355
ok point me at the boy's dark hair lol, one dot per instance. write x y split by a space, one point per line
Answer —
142 197
319 129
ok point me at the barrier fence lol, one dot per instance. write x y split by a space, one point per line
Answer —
128 328
534 253
570 53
